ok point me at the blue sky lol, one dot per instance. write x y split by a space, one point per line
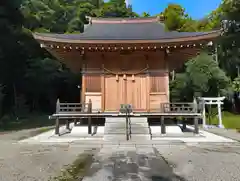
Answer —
195 8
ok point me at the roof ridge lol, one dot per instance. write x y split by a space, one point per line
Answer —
124 20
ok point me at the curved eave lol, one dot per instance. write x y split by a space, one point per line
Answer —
202 37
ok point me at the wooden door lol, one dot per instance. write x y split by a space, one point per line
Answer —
136 92
126 90
114 92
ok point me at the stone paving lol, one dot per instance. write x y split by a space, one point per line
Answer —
128 161
228 133
130 164
167 162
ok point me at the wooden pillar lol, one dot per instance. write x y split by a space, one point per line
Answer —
220 124
203 114
196 130
103 90
75 122
163 127
57 119
67 124
83 90
184 124
148 91
89 117
57 126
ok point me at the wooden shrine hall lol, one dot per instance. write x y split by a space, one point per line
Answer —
125 60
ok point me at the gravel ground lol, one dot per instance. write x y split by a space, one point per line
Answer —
193 162
229 133
204 162
25 162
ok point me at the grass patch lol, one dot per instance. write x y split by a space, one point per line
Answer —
230 120
77 170
35 120
36 132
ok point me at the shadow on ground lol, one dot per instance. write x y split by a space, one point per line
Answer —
130 165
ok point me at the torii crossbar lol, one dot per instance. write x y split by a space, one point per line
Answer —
212 101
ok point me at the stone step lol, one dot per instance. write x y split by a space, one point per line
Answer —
115 124
116 120
139 124
130 127
117 131
140 130
114 137
140 137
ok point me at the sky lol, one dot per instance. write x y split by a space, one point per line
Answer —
195 8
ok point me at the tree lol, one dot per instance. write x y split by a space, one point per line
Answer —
1 99
114 9
145 14
229 41
174 17
12 55
202 77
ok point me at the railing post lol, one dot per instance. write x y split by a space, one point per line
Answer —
163 127
57 119
75 122
89 117
195 110
67 124
184 124
127 123
195 106
196 130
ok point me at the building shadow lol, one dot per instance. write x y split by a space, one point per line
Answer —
174 178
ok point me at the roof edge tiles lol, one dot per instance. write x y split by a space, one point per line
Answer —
175 39
126 30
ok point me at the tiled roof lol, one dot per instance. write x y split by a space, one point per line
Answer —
124 31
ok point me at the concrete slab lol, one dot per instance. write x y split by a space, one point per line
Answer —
169 130
80 130
204 137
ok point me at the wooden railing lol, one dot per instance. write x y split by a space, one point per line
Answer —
179 107
72 108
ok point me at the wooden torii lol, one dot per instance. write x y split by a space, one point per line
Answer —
212 101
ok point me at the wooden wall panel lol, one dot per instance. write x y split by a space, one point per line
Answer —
156 100
159 82
136 92
96 99
93 83
114 92
156 61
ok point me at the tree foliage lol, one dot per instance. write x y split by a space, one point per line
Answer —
202 77
31 76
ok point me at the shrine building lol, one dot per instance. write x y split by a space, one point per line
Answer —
125 60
